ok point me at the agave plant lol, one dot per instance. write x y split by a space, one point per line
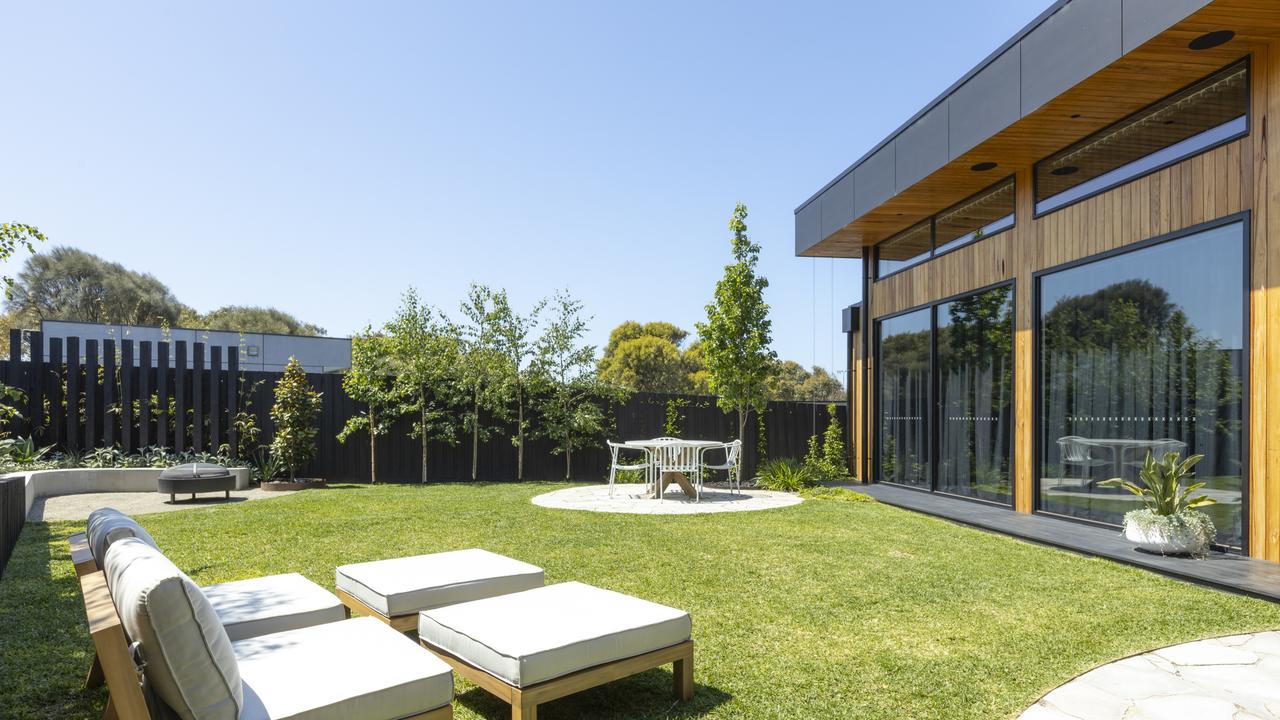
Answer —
23 449
1162 488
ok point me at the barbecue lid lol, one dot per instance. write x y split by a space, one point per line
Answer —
192 471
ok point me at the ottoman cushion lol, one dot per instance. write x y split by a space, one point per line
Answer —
404 586
258 606
351 669
541 634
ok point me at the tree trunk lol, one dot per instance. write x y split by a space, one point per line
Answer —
373 450
424 441
519 434
743 412
475 435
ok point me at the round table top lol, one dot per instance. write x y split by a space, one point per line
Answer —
655 442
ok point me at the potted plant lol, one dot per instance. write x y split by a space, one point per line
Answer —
1170 524
294 414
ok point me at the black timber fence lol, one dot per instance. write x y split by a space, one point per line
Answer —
12 516
129 396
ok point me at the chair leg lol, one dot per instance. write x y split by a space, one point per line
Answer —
522 710
613 470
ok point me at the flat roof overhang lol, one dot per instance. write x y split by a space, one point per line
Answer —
1080 66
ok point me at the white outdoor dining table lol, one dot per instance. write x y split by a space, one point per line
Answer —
666 478
1118 446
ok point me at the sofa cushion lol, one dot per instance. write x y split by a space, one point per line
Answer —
536 635
357 668
404 586
186 654
106 525
259 606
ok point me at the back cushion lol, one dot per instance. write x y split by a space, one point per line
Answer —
106 525
188 657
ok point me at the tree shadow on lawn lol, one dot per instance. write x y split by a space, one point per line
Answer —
644 695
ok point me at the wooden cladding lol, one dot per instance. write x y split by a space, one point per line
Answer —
1196 190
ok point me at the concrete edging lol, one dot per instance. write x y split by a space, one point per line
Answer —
74 481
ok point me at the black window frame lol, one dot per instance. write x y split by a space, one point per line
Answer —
933 421
1037 213
1037 401
932 220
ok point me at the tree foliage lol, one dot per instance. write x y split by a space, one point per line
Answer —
371 380
647 358
428 357
737 335
294 414
486 374
71 284
252 319
570 394
14 236
515 342
792 382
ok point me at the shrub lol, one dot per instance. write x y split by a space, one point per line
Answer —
785 475
836 493
294 413
827 461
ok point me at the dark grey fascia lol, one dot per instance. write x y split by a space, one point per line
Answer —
1064 45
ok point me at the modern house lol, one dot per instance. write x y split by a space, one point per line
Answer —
267 352
1072 259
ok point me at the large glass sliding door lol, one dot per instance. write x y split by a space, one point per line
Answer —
946 397
975 392
1144 352
903 401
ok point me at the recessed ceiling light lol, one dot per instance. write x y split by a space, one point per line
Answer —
1211 39
983 166
1065 170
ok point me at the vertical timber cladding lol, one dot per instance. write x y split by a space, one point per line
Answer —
1205 187
1264 306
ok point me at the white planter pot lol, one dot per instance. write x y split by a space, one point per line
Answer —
1179 541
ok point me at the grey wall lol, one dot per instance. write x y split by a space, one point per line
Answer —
1071 41
258 351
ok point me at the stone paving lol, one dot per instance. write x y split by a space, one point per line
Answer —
78 507
1230 678
632 499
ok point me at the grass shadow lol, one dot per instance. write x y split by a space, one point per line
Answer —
643 695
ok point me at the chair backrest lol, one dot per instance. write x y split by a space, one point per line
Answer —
1167 445
677 456
732 450
1074 448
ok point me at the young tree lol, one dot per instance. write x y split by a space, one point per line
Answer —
486 373
514 333
294 414
570 392
737 333
371 380
428 360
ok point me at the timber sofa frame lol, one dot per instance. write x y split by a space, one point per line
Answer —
525 701
114 664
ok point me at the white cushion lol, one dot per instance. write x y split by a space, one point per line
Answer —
258 606
356 669
188 658
106 525
406 585
537 635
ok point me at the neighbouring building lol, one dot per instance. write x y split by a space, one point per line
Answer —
258 351
1071 259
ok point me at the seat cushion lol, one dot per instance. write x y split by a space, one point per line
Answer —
259 606
357 668
536 635
404 586
106 525
187 656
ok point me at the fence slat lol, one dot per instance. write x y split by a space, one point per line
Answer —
197 397
180 396
233 396
215 397
109 393
72 439
92 419
144 393
53 376
36 384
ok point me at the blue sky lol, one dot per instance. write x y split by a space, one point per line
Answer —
322 157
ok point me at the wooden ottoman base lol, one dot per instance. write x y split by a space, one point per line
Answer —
403 623
525 701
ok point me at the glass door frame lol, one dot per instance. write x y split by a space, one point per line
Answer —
1037 379
933 422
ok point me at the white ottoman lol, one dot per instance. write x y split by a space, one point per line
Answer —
531 647
395 591
272 604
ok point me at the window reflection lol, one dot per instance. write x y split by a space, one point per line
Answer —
1144 352
904 350
975 389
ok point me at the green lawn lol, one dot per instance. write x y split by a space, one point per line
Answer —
823 610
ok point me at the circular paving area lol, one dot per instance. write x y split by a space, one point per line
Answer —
632 499
1230 678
